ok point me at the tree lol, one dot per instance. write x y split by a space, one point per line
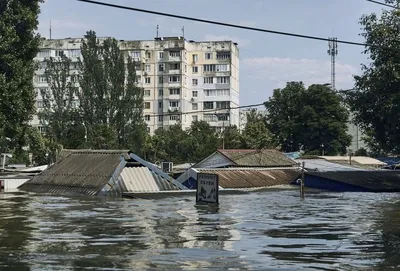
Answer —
256 134
18 47
232 138
312 117
105 99
375 101
59 109
202 140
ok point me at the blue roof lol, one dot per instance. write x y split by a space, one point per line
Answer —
323 165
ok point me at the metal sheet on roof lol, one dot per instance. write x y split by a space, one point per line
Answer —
363 160
260 158
249 178
323 165
138 179
79 173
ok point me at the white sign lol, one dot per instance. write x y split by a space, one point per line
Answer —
207 188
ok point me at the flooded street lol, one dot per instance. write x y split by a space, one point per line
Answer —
269 230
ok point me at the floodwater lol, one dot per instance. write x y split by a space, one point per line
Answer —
270 230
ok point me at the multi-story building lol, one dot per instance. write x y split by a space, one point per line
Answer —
183 81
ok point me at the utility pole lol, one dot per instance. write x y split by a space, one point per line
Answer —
333 51
157 31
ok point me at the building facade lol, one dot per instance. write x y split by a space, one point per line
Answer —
183 81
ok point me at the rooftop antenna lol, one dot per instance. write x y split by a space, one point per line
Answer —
157 31
183 32
50 29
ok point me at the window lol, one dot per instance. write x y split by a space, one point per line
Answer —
160 80
208 56
208 80
59 53
161 55
174 104
208 105
74 53
44 54
148 129
222 117
174 53
147 80
135 54
216 92
147 105
195 118
185 68
138 79
195 57
223 55
195 69
75 78
175 66
223 80
42 129
174 91
147 92
222 68
147 68
174 117
222 105
160 67
42 79
195 93
39 104
195 106
160 105
174 79
160 92
160 118
147 117
209 68
195 82
210 118
148 54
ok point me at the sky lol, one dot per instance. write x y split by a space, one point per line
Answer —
267 61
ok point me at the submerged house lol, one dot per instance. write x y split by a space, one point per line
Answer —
244 169
101 173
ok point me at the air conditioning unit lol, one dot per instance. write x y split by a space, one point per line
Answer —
167 166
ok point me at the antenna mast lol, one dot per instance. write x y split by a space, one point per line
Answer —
157 31
50 29
333 51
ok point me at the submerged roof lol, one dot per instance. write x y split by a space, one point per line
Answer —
78 172
262 158
362 160
323 165
246 158
142 179
252 177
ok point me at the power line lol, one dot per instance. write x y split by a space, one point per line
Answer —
383 4
220 23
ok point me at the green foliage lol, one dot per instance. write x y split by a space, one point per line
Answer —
256 134
375 101
18 47
361 152
308 117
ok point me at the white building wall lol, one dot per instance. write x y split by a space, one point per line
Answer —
153 53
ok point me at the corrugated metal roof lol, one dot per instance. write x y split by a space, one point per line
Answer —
251 177
323 165
375 181
258 158
362 160
142 179
138 179
80 172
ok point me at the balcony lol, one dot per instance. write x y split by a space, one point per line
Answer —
169 58
175 71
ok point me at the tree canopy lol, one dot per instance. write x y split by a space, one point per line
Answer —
18 47
311 117
375 101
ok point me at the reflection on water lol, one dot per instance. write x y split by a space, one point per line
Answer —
276 229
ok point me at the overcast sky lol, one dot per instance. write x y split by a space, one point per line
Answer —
267 61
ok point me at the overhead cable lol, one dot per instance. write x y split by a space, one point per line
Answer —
383 4
220 23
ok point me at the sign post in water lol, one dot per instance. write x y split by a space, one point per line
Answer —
207 188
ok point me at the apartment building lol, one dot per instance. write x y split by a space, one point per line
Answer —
183 81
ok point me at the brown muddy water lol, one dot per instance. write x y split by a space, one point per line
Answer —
272 230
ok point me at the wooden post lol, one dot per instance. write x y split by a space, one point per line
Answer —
302 180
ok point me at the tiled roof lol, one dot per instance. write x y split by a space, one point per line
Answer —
258 158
